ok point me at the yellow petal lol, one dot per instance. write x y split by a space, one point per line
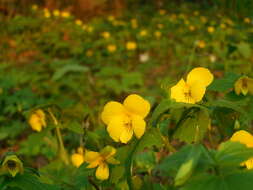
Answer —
201 75
177 91
102 172
249 164
238 86
126 135
139 126
137 105
112 160
107 152
93 158
77 159
243 137
35 122
115 127
197 91
110 110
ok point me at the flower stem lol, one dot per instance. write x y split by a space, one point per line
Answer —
62 151
129 163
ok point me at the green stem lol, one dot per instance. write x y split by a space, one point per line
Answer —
129 163
62 151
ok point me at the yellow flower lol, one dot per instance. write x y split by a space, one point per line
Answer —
37 120
192 28
201 44
194 88
89 53
111 18
12 165
158 34
203 19
78 22
223 26
101 160
35 7
47 14
196 13
160 26
210 29
134 23
244 85
56 13
111 48
162 12
131 45
65 14
90 29
124 120
246 138
106 35
143 33
78 158
247 20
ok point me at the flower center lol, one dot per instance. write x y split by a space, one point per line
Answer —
11 164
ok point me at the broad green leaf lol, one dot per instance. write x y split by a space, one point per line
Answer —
186 169
225 83
163 106
68 68
240 180
229 104
152 137
193 128
231 154
244 49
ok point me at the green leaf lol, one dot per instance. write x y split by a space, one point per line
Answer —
163 106
28 181
186 169
224 84
75 127
244 49
68 68
231 154
152 137
193 128
241 180
229 104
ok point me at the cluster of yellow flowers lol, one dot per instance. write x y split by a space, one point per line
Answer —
122 120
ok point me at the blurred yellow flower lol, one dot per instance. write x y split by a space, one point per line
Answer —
101 160
212 58
131 45
247 20
134 23
47 14
90 29
35 7
111 18
223 26
193 90
143 33
186 22
192 28
111 48
162 12
65 14
246 138
37 120
160 26
78 158
12 165
84 27
124 120
106 35
244 85
203 19
89 53
210 29
201 44
79 22
196 13
157 34
56 13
